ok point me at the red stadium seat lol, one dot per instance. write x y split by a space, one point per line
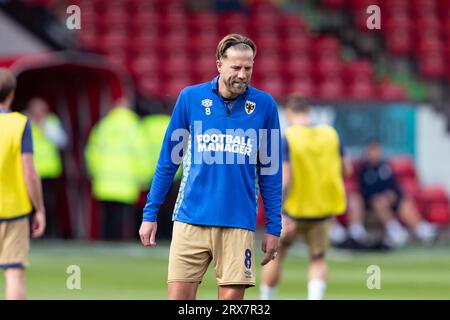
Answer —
144 41
275 86
403 167
328 66
435 204
361 4
200 20
171 90
149 85
138 6
203 68
267 41
292 24
362 89
142 19
299 65
397 22
391 92
299 44
88 39
331 88
303 83
270 64
430 24
335 4
266 20
429 44
327 46
230 22
204 43
144 64
400 41
360 69
351 184
113 39
175 64
424 8
433 65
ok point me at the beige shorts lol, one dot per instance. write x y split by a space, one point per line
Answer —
231 250
14 243
315 234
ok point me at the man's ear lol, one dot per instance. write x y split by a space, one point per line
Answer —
10 97
218 65
289 116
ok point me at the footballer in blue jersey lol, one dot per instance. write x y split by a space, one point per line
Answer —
227 136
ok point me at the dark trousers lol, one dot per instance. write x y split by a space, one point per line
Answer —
50 190
118 221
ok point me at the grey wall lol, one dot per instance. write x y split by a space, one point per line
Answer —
16 40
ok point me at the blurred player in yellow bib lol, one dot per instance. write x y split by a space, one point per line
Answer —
313 192
20 191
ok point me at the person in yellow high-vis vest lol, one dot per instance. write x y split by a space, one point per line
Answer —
154 127
48 138
313 193
115 159
20 191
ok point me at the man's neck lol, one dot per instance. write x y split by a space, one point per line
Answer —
224 92
4 107
302 120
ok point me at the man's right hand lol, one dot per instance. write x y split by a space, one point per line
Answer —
38 224
147 232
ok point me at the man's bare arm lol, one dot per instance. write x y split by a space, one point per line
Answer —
347 167
34 188
286 178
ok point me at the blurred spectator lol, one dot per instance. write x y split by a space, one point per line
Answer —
115 155
49 138
154 128
314 164
381 194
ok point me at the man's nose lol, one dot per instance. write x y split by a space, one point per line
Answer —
241 74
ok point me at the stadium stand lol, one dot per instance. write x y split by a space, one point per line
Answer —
167 44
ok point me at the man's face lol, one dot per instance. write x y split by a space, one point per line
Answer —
374 153
235 71
37 109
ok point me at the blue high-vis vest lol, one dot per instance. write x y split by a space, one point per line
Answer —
229 155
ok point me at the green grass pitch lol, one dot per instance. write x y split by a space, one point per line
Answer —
130 271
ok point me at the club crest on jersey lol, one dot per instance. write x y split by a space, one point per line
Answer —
207 103
249 106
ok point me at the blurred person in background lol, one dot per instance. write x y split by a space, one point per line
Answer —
49 138
20 191
115 159
153 128
313 190
382 195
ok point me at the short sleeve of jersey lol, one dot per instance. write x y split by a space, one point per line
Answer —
27 140
341 146
285 149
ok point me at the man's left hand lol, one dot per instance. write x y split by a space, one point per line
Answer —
269 247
